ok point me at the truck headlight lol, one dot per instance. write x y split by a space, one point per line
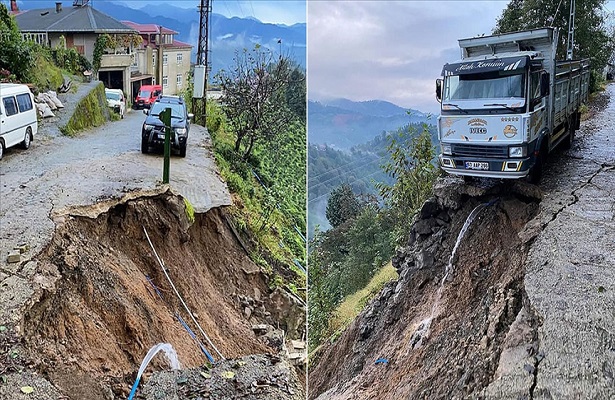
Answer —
517 151
148 127
180 131
446 149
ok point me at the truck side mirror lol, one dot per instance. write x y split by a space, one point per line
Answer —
439 90
544 84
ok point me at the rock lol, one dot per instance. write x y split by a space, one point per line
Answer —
14 257
247 312
297 344
429 209
424 260
260 328
21 248
423 226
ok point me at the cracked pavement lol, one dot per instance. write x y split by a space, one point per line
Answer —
58 175
570 276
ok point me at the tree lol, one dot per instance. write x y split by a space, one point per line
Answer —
342 205
411 165
254 97
16 55
592 38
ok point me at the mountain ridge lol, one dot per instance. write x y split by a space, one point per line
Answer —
343 123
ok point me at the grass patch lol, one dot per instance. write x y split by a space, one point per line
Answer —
353 304
46 76
91 111
189 210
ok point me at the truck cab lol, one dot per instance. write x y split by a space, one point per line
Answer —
506 104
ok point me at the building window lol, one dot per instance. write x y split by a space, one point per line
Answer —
154 60
165 59
135 60
165 81
179 80
180 58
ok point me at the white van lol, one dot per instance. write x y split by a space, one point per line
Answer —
18 123
116 100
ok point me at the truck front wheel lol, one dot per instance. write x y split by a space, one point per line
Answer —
536 171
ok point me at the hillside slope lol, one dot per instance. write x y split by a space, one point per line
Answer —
523 309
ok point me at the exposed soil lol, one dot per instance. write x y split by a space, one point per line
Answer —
102 299
481 298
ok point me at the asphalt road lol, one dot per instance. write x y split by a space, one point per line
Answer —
570 276
59 173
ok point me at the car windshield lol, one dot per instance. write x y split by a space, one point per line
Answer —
144 93
469 87
177 110
113 96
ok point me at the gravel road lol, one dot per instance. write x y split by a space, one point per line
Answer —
58 173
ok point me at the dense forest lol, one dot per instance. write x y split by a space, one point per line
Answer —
360 168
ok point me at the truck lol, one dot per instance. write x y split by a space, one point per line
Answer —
507 103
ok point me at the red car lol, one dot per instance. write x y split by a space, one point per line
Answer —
147 96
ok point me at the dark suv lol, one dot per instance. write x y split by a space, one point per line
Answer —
152 133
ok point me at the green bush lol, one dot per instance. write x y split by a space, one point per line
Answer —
596 80
91 111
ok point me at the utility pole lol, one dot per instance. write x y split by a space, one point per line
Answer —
199 101
571 30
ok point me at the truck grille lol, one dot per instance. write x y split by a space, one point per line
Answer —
481 151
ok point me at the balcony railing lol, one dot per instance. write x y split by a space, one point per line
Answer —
115 60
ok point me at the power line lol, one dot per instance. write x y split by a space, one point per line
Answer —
353 169
350 183
334 169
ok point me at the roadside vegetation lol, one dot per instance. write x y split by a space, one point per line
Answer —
259 140
91 111
365 230
594 36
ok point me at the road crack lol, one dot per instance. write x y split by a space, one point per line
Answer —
575 195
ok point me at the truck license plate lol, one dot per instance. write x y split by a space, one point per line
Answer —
477 165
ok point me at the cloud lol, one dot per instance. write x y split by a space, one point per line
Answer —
390 50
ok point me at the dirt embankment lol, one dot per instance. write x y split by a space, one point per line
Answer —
527 310
101 300
389 353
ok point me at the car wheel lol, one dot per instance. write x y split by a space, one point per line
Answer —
182 150
1 149
27 139
144 145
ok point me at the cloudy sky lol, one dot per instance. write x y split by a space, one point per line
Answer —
390 50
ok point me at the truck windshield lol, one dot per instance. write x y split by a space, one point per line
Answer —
144 93
472 87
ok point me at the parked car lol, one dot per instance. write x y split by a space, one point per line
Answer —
116 101
18 123
152 132
147 96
